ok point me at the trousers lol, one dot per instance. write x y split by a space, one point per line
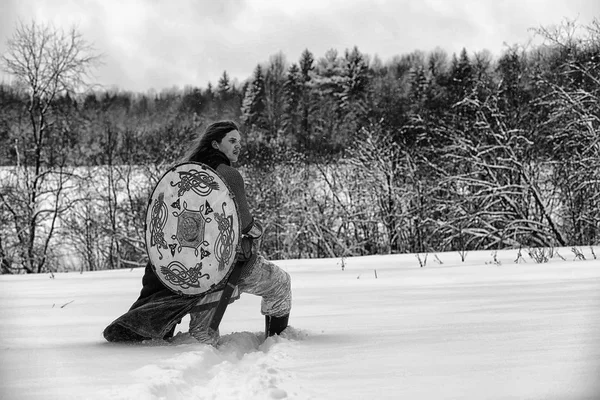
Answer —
263 279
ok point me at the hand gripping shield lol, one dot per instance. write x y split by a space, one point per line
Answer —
192 230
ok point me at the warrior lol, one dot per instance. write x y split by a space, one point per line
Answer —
157 311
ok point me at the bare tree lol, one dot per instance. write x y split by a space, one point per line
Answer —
572 103
500 199
385 184
47 64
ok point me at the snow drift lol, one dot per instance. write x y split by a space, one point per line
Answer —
382 327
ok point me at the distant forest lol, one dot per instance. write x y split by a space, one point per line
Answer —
344 154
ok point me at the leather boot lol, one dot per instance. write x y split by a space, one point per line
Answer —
275 325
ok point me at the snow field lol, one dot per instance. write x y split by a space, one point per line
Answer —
450 330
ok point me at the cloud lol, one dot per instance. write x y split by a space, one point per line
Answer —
7 18
162 43
171 45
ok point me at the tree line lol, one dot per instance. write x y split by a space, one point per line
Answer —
345 154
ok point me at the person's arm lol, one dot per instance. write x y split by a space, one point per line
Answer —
236 184
251 227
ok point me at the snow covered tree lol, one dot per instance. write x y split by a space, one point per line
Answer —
389 195
356 81
516 87
46 63
461 77
227 99
354 96
253 105
291 107
570 131
327 88
307 105
224 87
497 198
275 77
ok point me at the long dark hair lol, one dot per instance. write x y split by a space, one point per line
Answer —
202 149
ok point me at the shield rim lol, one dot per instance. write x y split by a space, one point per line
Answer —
221 284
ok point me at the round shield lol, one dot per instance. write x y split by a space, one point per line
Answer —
192 229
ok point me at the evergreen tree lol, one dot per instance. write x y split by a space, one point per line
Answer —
292 99
274 91
306 64
418 87
327 116
461 77
223 87
356 82
437 70
192 101
253 105
516 89
223 94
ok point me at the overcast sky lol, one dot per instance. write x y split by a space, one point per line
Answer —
156 44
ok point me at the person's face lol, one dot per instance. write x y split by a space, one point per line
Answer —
231 145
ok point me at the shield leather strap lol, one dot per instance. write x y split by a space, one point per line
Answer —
226 296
